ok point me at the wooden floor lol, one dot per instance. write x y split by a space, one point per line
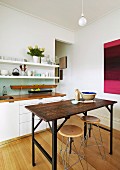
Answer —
17 155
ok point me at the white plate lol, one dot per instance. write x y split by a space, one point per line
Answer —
87 101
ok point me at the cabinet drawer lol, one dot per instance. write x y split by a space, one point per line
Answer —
27 117
24 110
26 103
26 127
29 102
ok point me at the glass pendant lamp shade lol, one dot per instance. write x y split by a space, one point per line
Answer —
82 21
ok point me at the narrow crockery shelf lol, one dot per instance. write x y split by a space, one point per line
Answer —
27 63
28 77
42 86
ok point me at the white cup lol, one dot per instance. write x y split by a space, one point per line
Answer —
42 75
47 74
29 73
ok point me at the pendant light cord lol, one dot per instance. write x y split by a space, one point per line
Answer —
82 9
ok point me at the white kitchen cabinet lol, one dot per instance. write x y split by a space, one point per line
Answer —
25 118
16 120
9 120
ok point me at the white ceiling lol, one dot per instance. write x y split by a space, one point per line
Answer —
65 13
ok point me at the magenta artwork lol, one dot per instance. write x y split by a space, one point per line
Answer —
112 67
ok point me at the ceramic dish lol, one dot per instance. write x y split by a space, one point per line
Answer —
4 72
88 95
74 101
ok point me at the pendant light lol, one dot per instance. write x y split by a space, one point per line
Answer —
82 21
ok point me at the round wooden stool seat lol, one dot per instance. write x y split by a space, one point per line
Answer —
90 119
71 131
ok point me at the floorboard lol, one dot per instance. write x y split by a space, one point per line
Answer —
16 155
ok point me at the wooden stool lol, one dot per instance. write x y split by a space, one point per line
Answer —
90 120
70 132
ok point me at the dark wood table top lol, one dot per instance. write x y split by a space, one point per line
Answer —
62 109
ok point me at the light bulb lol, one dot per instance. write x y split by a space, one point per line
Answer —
82 21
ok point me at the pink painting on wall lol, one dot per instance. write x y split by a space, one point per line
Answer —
112 67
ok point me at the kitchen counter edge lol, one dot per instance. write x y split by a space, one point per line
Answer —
32 96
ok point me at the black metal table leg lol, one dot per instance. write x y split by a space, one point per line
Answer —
85 126
33 147
111 130
54 145
110 109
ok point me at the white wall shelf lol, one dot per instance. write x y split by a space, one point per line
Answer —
27 63
28 77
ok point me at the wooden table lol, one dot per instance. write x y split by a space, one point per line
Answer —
64 109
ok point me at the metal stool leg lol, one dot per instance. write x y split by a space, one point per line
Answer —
82 143
79 156
89 121
89 129
65 154
101 143
88 134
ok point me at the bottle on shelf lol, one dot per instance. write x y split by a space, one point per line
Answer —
4 92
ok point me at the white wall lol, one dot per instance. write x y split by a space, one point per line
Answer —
19 30
65 49
88 61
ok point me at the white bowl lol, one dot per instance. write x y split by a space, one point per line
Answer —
74 101
4 72
88 95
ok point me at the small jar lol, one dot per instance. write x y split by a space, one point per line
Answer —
47 74
33 73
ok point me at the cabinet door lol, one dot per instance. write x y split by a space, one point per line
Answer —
25 128
9 120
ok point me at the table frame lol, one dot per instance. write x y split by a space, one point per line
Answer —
54 130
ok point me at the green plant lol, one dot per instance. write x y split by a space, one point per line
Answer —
36 51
